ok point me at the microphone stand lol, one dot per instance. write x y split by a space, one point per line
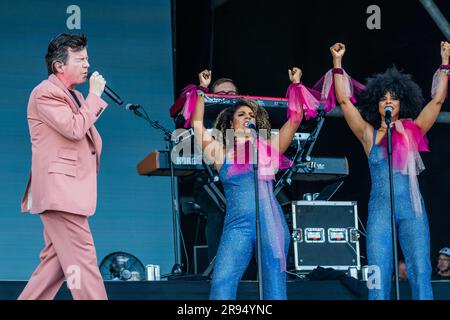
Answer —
219 199
302 156
177 267
391 185
258 220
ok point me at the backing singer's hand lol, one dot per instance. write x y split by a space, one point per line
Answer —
445 52
338 50
295 75
204 78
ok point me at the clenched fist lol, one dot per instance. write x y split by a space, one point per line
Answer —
204 78
338 50
445 52
96 84
295 75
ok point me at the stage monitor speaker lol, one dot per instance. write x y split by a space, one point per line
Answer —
325 233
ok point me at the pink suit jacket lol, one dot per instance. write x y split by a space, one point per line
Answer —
66 150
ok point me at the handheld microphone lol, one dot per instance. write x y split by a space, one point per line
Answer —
132 107
251 125
110 93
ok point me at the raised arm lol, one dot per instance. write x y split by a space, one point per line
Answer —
211 148
288 130
429 114
360 128
178 105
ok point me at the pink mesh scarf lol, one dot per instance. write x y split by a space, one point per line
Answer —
407 141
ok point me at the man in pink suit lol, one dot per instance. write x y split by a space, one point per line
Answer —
62 187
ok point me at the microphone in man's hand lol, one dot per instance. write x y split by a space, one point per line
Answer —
110 93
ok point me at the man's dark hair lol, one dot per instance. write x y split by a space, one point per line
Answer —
58 48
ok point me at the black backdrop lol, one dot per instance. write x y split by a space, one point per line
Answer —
255 42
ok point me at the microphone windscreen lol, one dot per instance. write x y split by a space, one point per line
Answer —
250 124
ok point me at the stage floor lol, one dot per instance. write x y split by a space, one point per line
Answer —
248 290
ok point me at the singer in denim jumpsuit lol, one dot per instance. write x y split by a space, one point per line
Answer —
394 96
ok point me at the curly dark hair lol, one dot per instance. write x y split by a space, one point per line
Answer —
398 84
225 117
